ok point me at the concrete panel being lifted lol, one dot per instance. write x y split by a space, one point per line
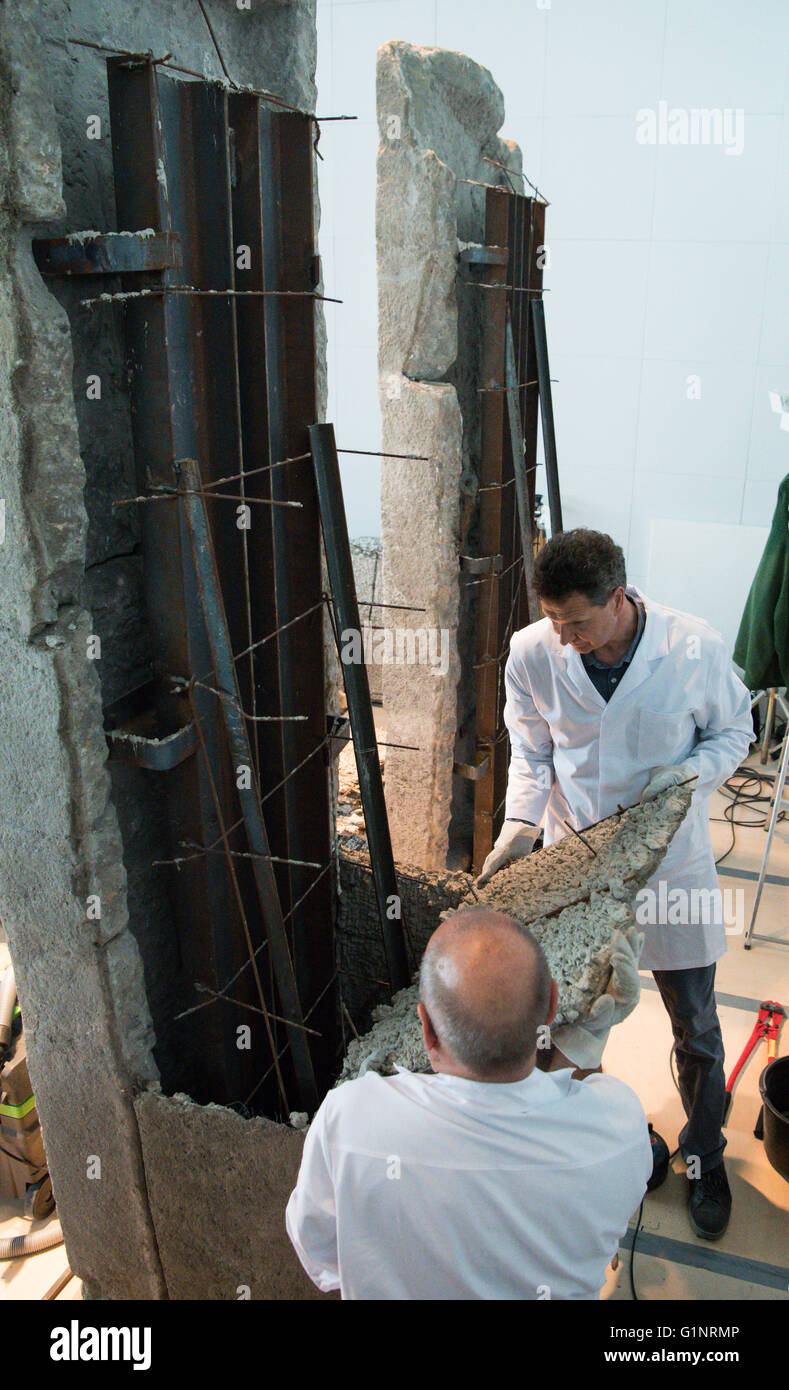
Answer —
573 897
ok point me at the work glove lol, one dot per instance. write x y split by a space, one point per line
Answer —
661 778
583 1043
373 1061
515 841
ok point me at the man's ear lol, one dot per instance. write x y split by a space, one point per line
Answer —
429 1035
553 1004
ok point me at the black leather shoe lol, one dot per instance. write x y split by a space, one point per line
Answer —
660 1157
709 1203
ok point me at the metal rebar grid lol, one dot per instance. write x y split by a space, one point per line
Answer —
225 374
166 61
248 793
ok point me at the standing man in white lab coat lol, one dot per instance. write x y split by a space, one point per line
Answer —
489 1179
612 697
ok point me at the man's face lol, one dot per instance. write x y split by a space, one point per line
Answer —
582 624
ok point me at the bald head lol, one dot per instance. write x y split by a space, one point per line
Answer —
486 987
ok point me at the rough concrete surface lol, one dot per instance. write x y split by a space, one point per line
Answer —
218 1187
80 983
419 502
87 1019
438 117
573 896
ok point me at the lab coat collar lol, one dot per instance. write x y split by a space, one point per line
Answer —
651 649
537 1089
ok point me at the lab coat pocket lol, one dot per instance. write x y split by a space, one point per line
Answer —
664 737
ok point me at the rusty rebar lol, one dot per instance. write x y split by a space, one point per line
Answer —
239 899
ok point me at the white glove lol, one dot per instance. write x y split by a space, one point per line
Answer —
373 1061
661 778
515 841
583 1044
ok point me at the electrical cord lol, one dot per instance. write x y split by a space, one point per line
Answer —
631 1267
672 1054
744 790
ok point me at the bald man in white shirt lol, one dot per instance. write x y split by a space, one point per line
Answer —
489 1179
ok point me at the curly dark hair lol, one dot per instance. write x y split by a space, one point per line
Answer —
580 562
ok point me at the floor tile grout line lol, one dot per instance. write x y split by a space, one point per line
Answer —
720 1262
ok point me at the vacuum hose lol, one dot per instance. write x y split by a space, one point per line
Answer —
32 1243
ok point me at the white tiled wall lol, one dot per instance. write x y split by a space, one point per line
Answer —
667 262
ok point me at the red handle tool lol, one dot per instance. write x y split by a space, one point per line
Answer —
767 1025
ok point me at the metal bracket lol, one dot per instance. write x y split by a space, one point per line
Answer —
482 564
338 728
157 754
471 771
107 253
484 255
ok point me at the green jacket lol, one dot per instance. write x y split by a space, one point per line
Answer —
762 645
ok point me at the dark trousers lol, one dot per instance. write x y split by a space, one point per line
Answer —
689 997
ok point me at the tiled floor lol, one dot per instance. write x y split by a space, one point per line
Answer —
752 1259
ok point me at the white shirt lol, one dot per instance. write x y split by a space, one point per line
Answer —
576 758
436 1187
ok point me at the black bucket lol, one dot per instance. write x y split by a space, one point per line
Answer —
774 1086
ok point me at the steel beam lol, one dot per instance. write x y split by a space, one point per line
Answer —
508 457
231 382
525 513
494 539
152 120
289 246
546 412
360 710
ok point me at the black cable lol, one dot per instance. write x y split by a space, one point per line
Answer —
672 1054
633 1249
744 790
672 1156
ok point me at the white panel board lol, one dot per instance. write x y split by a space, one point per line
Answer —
704 568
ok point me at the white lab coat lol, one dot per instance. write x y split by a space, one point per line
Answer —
437 1187
577 758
